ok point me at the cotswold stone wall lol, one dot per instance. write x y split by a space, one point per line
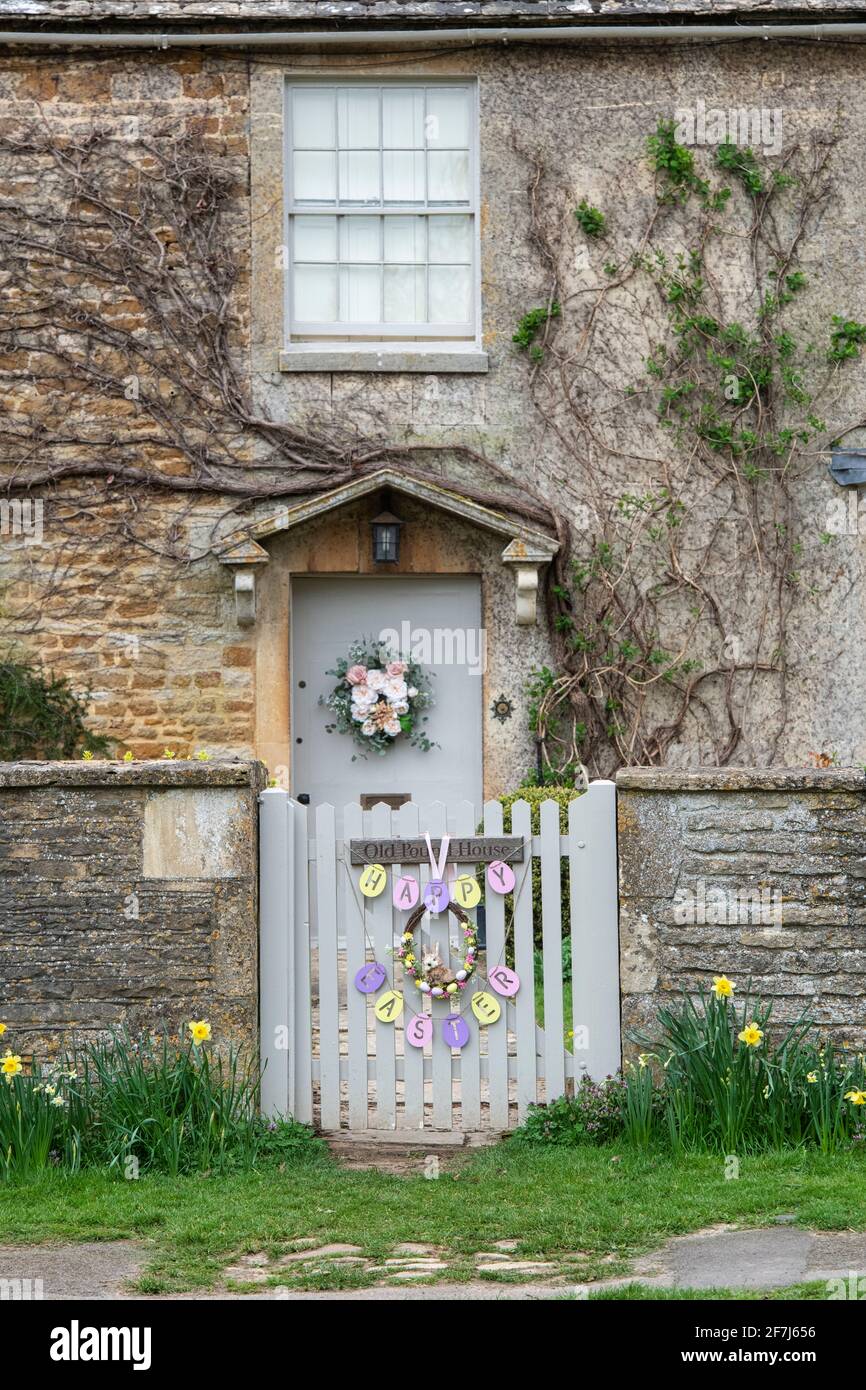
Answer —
128 895
758 875
158 645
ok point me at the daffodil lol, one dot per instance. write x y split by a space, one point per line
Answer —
812 1077
11 1065
722 987
58 1100
751 1035
200 1032
856 1097
2 1029
129 756
642 1060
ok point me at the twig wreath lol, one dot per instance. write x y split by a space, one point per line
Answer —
379 697
432 975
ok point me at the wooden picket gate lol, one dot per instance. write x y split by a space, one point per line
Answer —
331 1063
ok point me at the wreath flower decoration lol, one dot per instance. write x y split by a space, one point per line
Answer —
431 974
379 697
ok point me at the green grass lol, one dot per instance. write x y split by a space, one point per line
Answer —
631 1293
608 1203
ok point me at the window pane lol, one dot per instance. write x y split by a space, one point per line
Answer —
315 297
360 239
405 239
358 118
313 118
404 294
402 118
315 178
359 294
315 238
447 117
450 293
404 176
451 239
448 174
359 178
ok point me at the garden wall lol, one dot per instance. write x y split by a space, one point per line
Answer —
754 874
128 895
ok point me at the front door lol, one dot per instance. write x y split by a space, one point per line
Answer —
328 614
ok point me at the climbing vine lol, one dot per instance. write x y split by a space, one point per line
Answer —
689 404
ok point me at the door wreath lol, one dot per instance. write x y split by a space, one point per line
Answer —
379 697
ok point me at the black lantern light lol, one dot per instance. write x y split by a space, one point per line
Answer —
386 538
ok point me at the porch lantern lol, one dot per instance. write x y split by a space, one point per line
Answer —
386 538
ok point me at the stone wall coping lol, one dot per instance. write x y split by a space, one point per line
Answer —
737 779
156 772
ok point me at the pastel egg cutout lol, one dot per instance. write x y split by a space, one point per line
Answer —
436 895
503 980
500 877
455 1031
486 1007
419 1030
466 891
370 977
372 881
406 893
389 1006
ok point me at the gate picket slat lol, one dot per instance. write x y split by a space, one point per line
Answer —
524 964
275 999
470 1056
301 973
434 818
497 1035
595 928
356 955
329 1009
413 1001
381 931
551 941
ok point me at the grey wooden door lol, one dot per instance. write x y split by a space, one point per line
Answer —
327 615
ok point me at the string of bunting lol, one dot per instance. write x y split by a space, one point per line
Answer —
433 977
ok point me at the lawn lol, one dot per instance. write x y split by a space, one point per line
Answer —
607 1203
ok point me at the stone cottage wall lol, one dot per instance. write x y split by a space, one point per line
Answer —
128 895
158 647
759 875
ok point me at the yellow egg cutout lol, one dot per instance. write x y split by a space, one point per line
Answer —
486 1007
466 891
389 1006
372 881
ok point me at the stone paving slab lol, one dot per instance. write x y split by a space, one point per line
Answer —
725 1258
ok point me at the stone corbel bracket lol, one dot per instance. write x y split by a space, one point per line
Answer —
244 557
527 561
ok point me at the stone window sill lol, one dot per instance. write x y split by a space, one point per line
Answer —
382 359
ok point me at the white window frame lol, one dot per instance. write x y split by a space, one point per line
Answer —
408 336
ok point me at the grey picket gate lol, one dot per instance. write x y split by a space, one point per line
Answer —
330 1062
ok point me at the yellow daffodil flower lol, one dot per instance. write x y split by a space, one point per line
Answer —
856 1097
2 1029
722 987
812 1077
200 1032
11 1066
751 1035
129 756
